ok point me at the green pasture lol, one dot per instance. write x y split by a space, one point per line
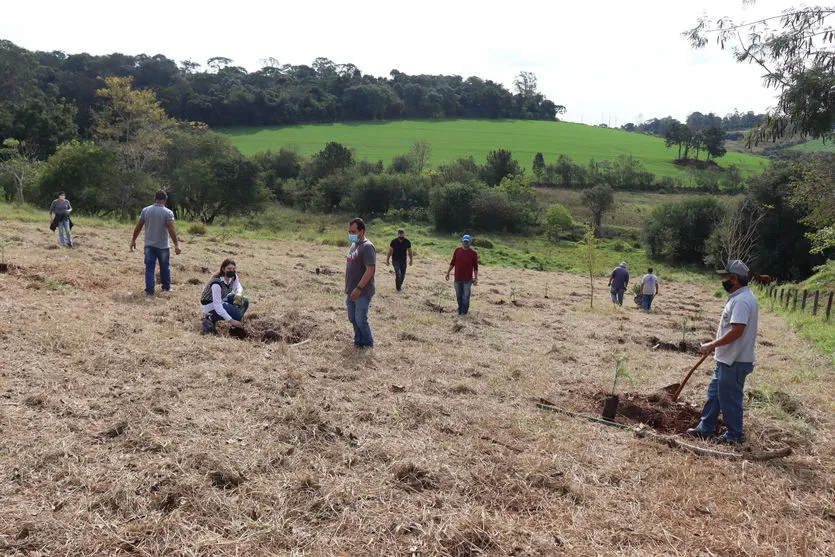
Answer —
815 146
452 139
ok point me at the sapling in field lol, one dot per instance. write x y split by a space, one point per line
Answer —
620 371
590 257
439 291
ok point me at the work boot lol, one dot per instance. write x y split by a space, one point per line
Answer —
208 327
699 434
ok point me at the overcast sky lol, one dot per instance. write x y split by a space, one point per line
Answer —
609 61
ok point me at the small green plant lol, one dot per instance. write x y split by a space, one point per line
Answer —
546 290
685 329
590 256
439 291
513 292
620 371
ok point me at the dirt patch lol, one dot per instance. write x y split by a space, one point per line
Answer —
656 410
690 347
292 327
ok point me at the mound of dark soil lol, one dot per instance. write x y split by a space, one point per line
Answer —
700 165
656 410
657 344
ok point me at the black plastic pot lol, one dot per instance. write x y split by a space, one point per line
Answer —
610 407
4 268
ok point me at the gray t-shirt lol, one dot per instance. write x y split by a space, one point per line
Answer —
648 284
155 216
360 256
741 307
59 207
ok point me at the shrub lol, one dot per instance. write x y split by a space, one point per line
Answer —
493 210
482 242
451 206
197 228
678 231
557 220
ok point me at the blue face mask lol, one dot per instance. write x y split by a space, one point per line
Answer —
465 244
353 238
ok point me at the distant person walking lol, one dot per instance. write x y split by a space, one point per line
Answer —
223 300
398 249
618 281
158 221
59 217
649 289
736 340
359 282
465 263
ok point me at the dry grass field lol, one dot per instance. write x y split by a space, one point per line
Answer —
125 431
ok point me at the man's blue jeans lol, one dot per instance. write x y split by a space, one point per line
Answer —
64 232
647 301
463 291
358 316
152 255
724 395
617 296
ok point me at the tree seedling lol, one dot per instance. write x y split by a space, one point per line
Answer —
439 291
3 266
620 371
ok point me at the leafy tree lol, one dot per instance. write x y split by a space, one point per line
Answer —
678 134
20 164
492 210
539 166
209 177
334 158
90 176
678 231
814 193
714 142
598 200
525 84
401 164
500 165
523 200
451 206
132 123
557 219
419 154
794 49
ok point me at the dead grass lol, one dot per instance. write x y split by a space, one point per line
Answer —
125 431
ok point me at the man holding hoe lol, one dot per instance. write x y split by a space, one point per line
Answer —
736 339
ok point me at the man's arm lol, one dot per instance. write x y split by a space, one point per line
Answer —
388 255
411 256
737 329
173 233
451 265
136 232
475 269
69 207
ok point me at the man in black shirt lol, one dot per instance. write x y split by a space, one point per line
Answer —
398 249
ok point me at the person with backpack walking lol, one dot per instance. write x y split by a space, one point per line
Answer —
59 217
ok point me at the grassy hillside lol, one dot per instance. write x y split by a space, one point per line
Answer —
815 146
452 139
125 431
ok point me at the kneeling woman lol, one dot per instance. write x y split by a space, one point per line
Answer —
222 300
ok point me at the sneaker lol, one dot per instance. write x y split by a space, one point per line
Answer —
208 327
699 434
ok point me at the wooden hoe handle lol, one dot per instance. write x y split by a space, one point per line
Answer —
681 387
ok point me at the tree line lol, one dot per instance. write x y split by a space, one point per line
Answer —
47 98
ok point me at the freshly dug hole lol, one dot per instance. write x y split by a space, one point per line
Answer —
292 327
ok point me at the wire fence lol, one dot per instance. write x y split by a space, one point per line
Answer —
815 302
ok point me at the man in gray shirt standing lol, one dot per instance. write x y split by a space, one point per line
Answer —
736 339
360 266
59 217
158 221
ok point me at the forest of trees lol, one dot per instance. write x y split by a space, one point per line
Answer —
50 97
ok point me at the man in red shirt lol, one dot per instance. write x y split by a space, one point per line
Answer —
465 263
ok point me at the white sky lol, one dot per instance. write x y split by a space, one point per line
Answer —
610 61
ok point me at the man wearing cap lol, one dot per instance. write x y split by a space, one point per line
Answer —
619 280
158 221
398 248
465 263
736 338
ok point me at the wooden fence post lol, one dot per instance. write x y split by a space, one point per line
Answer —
794 303
829 306
788 298
815 307
803 305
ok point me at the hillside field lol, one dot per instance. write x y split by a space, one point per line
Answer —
126 431
452 139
